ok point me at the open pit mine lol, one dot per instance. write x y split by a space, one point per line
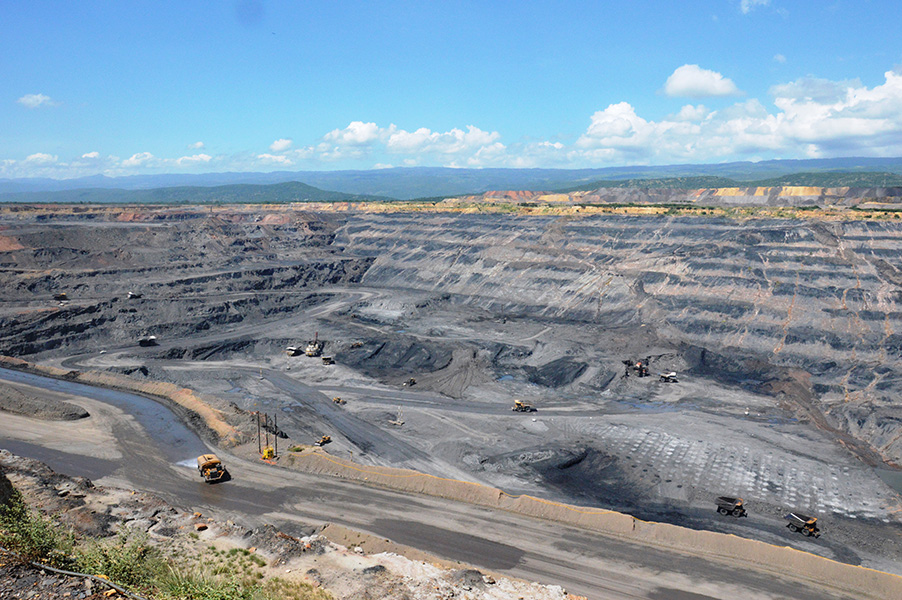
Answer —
664 360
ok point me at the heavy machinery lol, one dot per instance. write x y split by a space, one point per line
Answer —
639 366
61 297
803 524
268 453
323 441
293 350
150 340
135 295
410 382
210 468
520 406
670 377
730 506
338 400
314 346
328 360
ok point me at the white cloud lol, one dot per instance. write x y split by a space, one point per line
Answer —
692 113
196 146
137 160
779 58
808 117
35 101
694 82
193 160
454 141
275 159
40 158
746 6
357 133
280 145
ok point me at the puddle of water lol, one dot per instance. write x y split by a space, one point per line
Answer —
176 441
891 478
506 378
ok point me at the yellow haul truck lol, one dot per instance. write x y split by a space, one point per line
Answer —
210 468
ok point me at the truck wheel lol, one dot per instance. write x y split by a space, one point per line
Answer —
737 512
793 528
722 511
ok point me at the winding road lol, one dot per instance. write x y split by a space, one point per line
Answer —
151 443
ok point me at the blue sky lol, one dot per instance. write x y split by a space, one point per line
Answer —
124 87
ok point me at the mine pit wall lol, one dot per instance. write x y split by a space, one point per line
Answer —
821 300
729 549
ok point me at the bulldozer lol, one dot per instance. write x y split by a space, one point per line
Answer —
210 468
520 406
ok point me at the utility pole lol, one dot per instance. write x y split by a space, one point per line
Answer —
275 436
259 445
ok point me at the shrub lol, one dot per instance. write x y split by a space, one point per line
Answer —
127 559
32 536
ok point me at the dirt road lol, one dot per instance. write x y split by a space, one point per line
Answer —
155 451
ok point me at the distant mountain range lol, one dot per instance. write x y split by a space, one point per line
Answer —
420 182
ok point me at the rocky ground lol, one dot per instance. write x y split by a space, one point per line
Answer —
315 559
783 334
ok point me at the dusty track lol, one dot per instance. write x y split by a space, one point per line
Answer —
505 542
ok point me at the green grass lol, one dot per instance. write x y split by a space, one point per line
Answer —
131 561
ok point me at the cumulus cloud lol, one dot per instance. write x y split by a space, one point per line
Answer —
193 160
137 160
810 117
454 141
692 81
275 159
691 113
35 101
91 155
280 145
196 145
41 158
357 133
746 6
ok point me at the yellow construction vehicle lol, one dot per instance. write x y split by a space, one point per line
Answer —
339 401
323 441
268 452
520 406
210 468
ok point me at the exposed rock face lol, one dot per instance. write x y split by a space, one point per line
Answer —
806 311
754 302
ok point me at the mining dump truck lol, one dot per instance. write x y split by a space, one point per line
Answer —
328 360
323 441
150 340
292 351
669 377
210 468
520 406
338 400
730 506
803 524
